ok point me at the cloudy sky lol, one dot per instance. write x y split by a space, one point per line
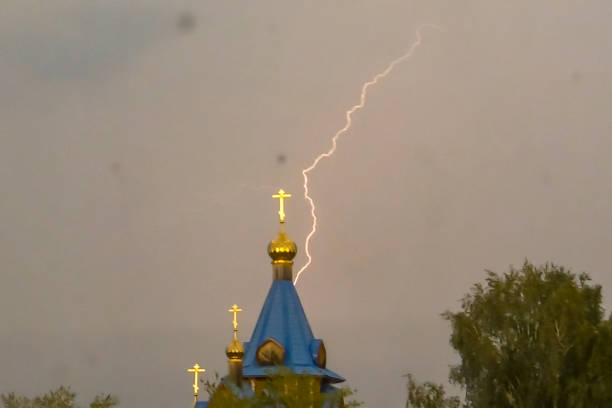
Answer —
141 142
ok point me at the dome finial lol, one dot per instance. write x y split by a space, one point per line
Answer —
235 310
282 249
281 201
196 370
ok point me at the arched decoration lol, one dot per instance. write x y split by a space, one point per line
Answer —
270 352
319 354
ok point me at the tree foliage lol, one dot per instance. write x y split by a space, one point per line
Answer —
104 401
62 397
428 395
283 389
533 337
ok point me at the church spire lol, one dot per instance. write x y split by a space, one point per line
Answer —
282 249
235 350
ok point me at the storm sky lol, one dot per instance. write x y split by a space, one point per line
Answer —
141 142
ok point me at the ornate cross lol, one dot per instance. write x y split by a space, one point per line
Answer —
281 197
196 370
235 309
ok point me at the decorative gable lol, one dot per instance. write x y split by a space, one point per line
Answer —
319 354
270 352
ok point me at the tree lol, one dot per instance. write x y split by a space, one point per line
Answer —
104 401
428 395
283 389
533 337
62 397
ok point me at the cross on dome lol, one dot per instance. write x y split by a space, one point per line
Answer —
281 198
235 310
196 370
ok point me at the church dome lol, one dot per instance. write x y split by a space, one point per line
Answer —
282 249
235 351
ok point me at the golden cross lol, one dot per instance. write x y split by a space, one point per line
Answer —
281 197
235 309
196 370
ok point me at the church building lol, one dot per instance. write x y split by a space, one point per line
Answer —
282 340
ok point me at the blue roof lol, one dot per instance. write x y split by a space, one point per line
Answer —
282 318
201 404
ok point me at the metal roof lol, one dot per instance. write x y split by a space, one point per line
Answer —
282 318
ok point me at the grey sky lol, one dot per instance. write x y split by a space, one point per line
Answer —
138 162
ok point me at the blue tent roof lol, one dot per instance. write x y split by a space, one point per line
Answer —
282 318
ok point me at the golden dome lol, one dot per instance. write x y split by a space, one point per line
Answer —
235 351
282 249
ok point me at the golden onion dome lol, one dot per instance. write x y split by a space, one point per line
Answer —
282 249
235 350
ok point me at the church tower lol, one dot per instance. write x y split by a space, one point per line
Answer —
282 335
282 339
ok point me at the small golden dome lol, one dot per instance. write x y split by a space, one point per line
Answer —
235 351
282 249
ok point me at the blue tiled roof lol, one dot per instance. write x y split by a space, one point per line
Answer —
282 318
201 404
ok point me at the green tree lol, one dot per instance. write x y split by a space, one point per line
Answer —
428 395
104 401
62 397
283 389
533 337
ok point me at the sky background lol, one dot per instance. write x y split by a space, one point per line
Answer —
140 145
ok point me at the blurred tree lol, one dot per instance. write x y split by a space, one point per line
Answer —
533 337
104 401
428 395
62 397
283 389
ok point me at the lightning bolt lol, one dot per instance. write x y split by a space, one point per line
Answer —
344 129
